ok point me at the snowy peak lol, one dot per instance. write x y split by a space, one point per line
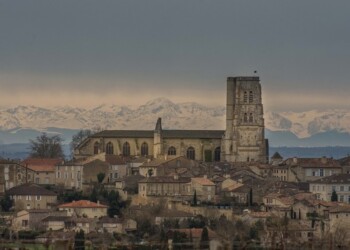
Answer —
188 115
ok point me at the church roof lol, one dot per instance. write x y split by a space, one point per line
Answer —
168 134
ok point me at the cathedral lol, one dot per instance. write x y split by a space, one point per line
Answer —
242 141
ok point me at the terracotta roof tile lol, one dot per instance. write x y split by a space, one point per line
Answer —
82 204
42 164
203 181
30 189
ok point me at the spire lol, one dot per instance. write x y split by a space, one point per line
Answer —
159 125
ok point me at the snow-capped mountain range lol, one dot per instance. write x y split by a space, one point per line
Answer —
174 116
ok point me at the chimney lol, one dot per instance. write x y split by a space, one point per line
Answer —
98 202
295 160
176 177
205 176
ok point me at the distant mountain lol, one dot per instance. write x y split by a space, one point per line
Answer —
311 128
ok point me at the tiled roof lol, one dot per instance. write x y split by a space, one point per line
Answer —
107 219
82 204
96 163
56 218
115 160
168 134
203 181
313 162
340 209
336 178
4 161
276 156
42 164
165 179
30 189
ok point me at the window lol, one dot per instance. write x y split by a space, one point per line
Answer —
24 223
72 175
334 188
341 188
37 180
109 148
78 175
245 119
191 153
171 151
58 175
38 198
144 149
217 153
66 176
115 175
321 172
341 198
251 96
251 117
96 148
126 149
245 97
28 198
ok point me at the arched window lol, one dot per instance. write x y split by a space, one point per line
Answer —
172 151
191 153
109 148
126 149
251 96
245 119
251 117
96 148
144 149
245 97
217 153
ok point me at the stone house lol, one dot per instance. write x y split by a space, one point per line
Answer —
13 174
69 175
92 169
117 167
166 186
31 219
55 223
204 188
278 203
32 196
310 169
44 169
281 172
339 218
111 225
324 187
84 208
128 185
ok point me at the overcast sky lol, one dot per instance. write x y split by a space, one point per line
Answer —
84 53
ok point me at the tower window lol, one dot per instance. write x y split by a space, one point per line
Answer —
245 118
109 148
126 149
250 96
191 153
96 148
172 151
251 117
144 149
217 153
245 97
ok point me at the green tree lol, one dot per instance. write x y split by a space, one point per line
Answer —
6 203
195 198
178 239
79 242
334 196
93 195
204 239
45 146
100 177
113 209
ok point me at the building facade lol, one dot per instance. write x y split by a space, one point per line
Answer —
242 141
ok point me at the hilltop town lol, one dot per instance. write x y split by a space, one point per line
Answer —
178 189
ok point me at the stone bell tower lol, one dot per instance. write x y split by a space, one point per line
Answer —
244 139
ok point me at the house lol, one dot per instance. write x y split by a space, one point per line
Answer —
44 169
84 208
86 224
167 186
31 219
128 185
310 169
32 196
69 175
204 188
111 225
278 203
339 218
54 223
13 174
324 187
92 169
117 167
276 159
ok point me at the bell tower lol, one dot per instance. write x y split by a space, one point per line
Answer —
244 139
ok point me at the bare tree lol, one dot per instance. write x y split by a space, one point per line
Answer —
79 138
45 146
